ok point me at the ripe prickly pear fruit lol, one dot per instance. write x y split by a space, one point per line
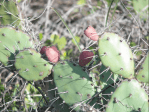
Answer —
85 58
43 49
91 33
52 54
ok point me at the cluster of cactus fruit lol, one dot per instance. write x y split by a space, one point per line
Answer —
116 89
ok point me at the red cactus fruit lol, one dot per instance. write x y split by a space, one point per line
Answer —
91 33
52 54
43 49
85 58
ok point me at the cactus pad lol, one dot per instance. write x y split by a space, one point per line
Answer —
143 73
11 41
9 14
74 84
58 103
128 97
116 54
31 66
107 77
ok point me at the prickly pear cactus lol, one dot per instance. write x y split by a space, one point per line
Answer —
107 77
31 66
139 6
11 41
128 97
142 76
73 84
9 14
116 54
106 96
56 101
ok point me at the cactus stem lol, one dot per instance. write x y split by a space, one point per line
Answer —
62 92
62 103
48 81
105 99
104 71
95 66
106 94
53 89
54 99
109 77
6 66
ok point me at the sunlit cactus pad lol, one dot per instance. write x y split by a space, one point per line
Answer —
11 41
142 76
9 14
74 84
128 97
31 66
116 54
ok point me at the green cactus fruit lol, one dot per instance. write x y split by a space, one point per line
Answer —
142 76
9 14
107 77
74 85
116 54
128 97
11 41
31 66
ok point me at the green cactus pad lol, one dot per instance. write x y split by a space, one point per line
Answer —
58 103
141 7
11 41
143 73
31 66
74 84
116 54
128 97
106 96
9 14
107 78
